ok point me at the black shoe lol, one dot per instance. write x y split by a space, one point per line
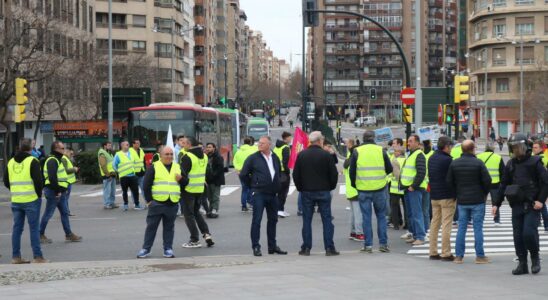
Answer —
435 257
257 251
299 213
521 269
245 209
535 265
331 252
209 215
304 252
277 250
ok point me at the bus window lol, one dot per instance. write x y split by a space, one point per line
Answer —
151 126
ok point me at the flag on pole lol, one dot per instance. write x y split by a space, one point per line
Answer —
169 141
300 142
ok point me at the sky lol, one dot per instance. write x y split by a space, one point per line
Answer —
280 22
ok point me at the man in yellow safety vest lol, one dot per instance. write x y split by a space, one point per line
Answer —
495 166
105 158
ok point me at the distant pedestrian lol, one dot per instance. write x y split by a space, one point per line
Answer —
369 167
179 150
36 152
245 150
55 191
356 218
291 124
283 152
469 178
443 200
138 156
500 141
68 164
194 164
261 172
327 146
215 178
123 164
315 176
525 185
156 156
162 188
23 177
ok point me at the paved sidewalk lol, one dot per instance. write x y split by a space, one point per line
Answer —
349 276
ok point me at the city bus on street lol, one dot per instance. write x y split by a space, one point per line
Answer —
150 125
238 122
258 113
257 127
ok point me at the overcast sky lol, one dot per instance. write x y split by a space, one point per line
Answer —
280 22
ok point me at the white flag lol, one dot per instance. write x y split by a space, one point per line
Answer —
169 142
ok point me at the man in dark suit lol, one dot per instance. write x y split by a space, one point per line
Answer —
261 172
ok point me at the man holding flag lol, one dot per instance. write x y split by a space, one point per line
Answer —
300 142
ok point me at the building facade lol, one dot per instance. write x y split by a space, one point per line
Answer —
204 52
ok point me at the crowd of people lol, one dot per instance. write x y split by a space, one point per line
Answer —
438 186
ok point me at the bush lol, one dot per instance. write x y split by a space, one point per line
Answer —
89 167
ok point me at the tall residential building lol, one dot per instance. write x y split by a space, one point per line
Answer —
163 29
442 34
221 46
205 14
232 56
496 32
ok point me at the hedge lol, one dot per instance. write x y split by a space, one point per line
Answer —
89 167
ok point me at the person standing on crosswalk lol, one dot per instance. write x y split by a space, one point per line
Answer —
495 166
369 167
470 180
138 156
283 152
525 185
413 182
123 164
246 149
356 219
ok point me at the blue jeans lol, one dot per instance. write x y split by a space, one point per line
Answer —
300 202
477 213
55 202
413 202
260 202
140 181
323 200
69 189
246 195
109 191
378 201
426 209
32 211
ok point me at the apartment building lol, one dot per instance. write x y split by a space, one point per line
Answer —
205 52
496 31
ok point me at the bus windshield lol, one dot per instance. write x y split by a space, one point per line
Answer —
151 126
257 130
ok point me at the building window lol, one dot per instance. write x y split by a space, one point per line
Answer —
139 46
163 25
525 25
528 55
546 53
162 50
118 46
499 57
139 21
503 85
499 27
499 3
525 2
545 25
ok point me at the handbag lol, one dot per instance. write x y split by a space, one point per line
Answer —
514 194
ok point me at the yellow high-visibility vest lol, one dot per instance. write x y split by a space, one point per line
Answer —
196 176
492 163
165 185
62 177
71 177
279 151
109 159
409 170
21 183
138 159
125 167
370 171
394 186
350 191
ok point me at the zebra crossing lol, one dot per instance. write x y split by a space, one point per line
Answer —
496 239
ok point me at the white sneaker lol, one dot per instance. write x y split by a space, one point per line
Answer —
281 214
202 211
406 236
286 214
497 224
192 245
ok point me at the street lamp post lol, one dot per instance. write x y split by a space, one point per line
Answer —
110 105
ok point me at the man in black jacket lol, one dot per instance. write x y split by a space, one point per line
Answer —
315 175
56 194
261 172
471 181
443 200
215 178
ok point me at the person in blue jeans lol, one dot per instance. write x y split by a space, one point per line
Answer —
470 180
23 177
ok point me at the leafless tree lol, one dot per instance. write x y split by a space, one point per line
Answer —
536 97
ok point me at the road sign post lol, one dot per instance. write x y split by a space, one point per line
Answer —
407 96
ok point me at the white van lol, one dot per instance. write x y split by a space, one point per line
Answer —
367 121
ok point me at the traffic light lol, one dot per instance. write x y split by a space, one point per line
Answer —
461 88
373 94
222 101
21 100
449 113
310 19
408 115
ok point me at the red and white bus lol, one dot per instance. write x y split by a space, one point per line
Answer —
150 125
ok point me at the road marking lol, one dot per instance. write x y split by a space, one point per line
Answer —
227 190
95 194
291 190
342 190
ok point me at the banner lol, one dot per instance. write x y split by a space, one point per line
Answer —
431 133
300 142
383 135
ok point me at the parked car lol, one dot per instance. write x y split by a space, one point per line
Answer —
365 121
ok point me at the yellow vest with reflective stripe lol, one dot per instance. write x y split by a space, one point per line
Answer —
409 170
196 176
21 184
241 155
492 163
370 172
125 167
109 159
71 178
279 151
350 191
456 152
138 159
427 158
165 185
62 177
394 186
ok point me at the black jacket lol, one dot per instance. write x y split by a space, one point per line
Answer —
52 173
420 166
315 170
354 162
470 180
284 160
35 173
255 174
438 166
148 181
186 163
530 174
215 173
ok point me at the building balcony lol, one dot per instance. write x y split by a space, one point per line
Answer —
342 77
346 27
341 88
114 51
380 63
343 65
355 39
391 26
114 25
382 76
345 52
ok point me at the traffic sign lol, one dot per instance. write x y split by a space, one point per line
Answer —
408 96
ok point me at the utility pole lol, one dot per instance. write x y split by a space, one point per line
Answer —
172 60
418 65
110 105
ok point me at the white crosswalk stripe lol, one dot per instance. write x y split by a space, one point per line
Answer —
227 190
496 239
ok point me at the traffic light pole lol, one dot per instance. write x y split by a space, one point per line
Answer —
304 112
